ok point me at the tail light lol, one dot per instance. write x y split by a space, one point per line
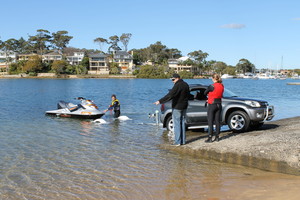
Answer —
162 107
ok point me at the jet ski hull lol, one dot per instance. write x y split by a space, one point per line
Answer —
83 115
71 115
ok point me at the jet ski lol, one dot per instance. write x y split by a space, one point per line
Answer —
85 110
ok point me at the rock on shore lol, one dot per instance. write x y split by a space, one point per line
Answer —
274 147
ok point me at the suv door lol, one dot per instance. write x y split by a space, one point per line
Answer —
197 111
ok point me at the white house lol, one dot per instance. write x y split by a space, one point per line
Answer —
50 57
124 60
6 58
76 58
177 65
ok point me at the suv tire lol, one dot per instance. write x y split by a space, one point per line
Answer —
238 121
169 123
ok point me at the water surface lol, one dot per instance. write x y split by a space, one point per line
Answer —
45 157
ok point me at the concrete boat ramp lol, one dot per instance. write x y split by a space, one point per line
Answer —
274 147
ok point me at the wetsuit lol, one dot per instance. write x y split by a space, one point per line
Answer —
215 94
115 105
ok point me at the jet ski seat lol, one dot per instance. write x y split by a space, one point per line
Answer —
71 107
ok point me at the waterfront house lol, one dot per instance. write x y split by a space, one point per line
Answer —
76 58
6 58
124 61
98 64
27 56
50 57
178 65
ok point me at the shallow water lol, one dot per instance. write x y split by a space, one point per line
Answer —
45 157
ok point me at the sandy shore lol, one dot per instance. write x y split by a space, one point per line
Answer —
274 147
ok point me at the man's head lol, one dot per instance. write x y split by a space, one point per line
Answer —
175 78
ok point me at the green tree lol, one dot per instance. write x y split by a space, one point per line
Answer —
101 42
148 71
219 67
186 75
85 62
244 66
12 45
59 66
173 53
199 57
60 39
114 68
125 37
34 65
39 42
114 43
229 70
23 46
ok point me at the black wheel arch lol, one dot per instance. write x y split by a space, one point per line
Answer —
231 110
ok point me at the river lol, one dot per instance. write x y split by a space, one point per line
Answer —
44 157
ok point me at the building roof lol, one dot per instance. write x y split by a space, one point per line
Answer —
52 54
97 55
183 58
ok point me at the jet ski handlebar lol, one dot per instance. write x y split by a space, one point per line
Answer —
79 98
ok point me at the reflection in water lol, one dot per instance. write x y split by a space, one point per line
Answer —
85 127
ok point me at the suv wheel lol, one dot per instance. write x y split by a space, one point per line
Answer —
238 121
169 123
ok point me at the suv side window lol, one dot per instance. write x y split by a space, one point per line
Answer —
198 94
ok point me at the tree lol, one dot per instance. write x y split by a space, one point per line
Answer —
185 74
101 42
34 65
114 43
219 67
229 70
11 45
114 68
40 40
59 66
125 37
60 39
85 62
148 71
22 46
199 56
173 53
244 66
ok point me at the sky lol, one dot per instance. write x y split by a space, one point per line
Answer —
265 32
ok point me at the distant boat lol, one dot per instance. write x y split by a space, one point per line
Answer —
226 76
248 76
263 76
295 77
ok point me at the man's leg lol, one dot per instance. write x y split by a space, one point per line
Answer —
176 115
182 121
